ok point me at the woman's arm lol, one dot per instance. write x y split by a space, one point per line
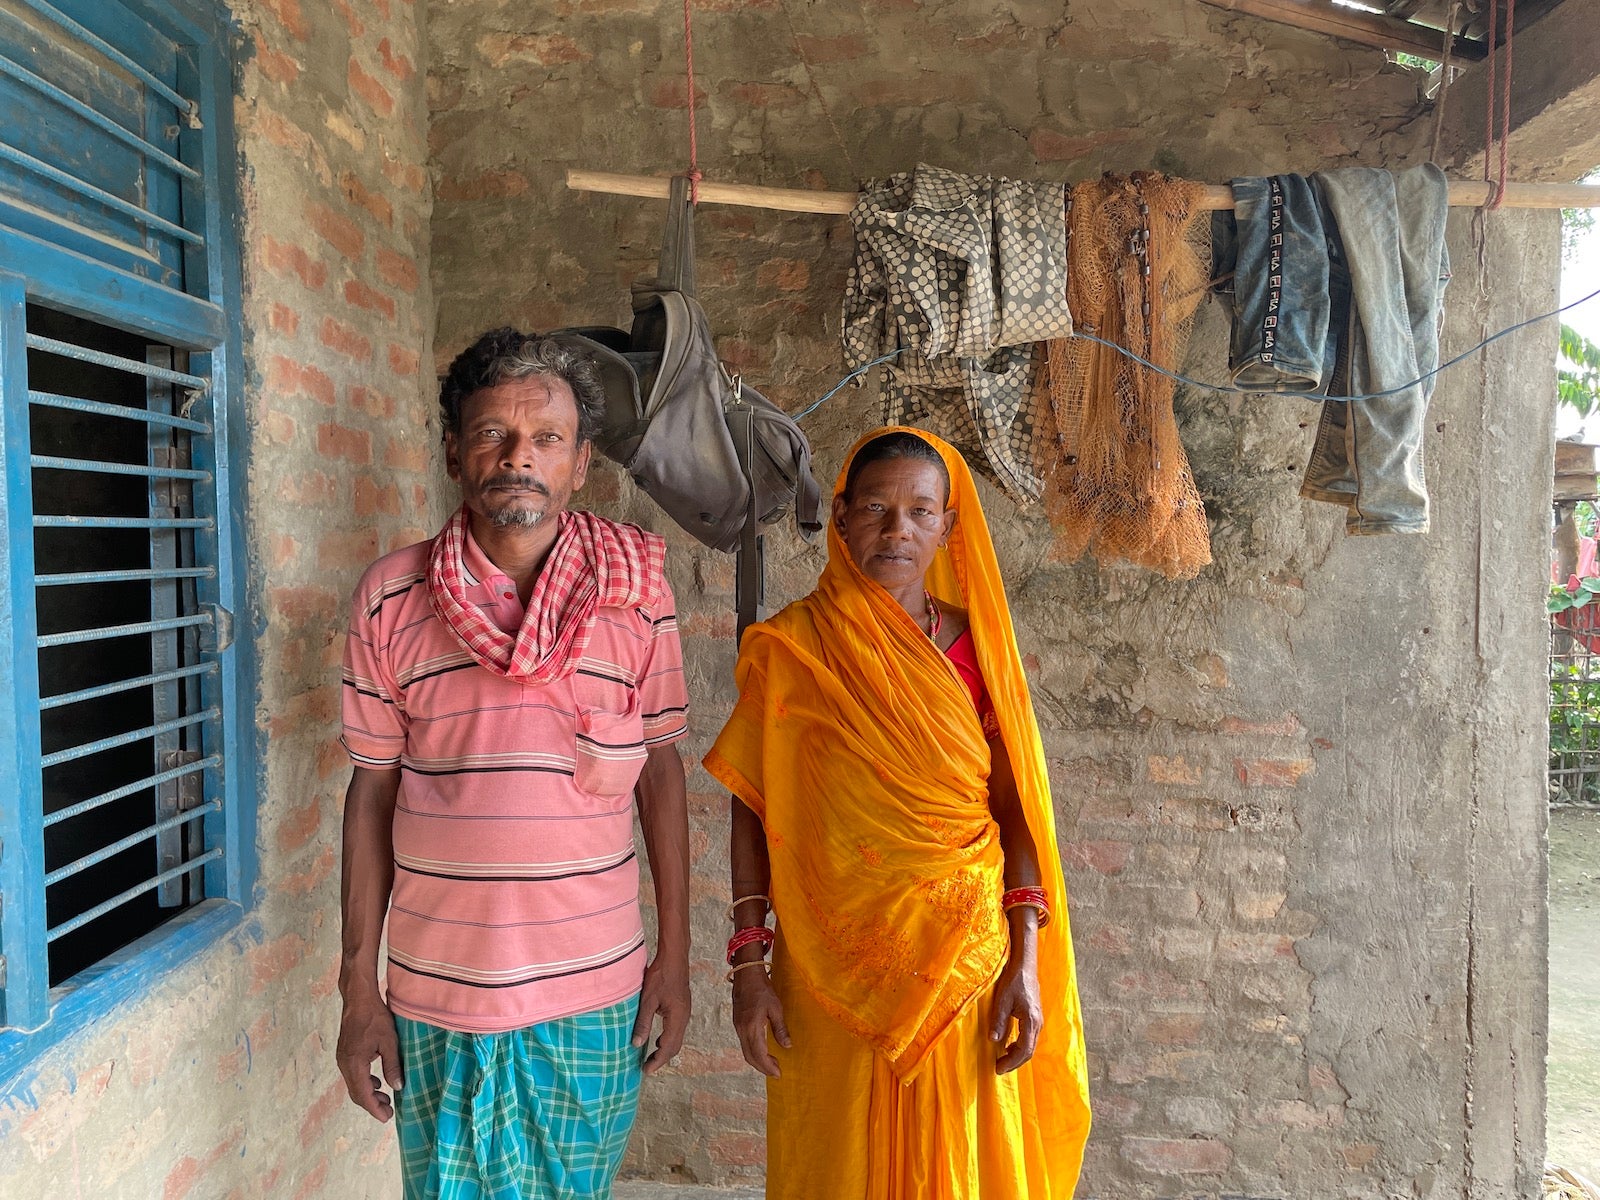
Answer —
1017 990
755 1003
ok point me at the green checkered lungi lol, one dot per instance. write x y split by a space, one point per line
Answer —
542 1113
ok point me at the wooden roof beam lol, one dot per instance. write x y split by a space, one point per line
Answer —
1355 25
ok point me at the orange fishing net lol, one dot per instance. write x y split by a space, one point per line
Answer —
1120 484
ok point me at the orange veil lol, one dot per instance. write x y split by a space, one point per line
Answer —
857 744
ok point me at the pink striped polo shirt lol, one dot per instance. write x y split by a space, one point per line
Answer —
516 887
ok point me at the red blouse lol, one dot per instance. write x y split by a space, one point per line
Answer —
963 655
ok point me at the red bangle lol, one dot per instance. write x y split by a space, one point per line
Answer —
1028 897
749 937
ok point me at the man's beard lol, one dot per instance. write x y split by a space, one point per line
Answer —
514 515
517 518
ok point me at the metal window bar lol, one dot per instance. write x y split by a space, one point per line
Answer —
101 632
100 745
126 685
122 411
76 578
1574 766
153 153
185 106
196 767
54 462
99 195
116 362
133 839
100 910
69 522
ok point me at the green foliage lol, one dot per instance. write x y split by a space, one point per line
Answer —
1578 372
1577 223
1574 732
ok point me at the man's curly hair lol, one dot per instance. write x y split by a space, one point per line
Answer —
504 354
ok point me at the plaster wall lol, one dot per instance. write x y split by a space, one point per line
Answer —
1300 796
220 1081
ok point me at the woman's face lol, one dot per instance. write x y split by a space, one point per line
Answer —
895 520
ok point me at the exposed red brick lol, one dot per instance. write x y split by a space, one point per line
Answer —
370 89
546 49
364 295
1271 772
336 335
410 176
411 454
1105 857
358 193
1176 1029
286 377
1048 145
270 960
312 604
372 498
283 319
1171 769
1255 947
347 551
1285 726
397 270
406 535
715 1104
281 131
274 64
738 1149
403 360
308 489
1359 1154
1258 906
842 48
299 826
283 550
301 883
397 65
784 274
1177 1156
285 258
927 87
279 428
483 186
672 92
339 231
289 16
315 1181
373 403
185 1173
341 441
352 19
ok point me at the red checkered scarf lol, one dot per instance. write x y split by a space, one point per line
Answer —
594 564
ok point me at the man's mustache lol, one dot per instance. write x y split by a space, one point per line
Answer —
516 481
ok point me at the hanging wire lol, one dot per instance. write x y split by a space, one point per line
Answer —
1229 389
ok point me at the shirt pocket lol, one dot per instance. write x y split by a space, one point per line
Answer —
610 749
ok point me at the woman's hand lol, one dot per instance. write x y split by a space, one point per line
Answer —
756 1008
1016 997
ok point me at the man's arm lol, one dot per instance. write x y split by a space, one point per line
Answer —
664 818
366 1028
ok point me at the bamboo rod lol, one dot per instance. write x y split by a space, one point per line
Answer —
1463 193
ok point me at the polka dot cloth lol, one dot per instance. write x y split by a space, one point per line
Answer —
963 273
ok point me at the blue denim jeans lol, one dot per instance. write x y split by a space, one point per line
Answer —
1368 453
1337 283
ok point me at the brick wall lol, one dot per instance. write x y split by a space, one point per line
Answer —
221 1083
1276 783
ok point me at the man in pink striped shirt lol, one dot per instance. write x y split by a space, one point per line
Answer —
510 688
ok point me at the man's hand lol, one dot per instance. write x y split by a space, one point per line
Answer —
1016 997
366 1032
665 994
756 1008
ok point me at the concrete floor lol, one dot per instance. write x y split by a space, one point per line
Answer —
1574 1063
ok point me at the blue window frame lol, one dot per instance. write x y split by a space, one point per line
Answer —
127 763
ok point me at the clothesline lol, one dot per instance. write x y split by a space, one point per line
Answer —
1464 193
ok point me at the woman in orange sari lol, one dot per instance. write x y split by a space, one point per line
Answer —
919 1026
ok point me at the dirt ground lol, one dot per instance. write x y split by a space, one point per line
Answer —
1574 1108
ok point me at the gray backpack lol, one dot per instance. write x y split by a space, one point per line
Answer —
719 457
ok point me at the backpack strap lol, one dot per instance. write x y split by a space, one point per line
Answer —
676 269
750 566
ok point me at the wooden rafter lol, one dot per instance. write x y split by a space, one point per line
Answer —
1355 25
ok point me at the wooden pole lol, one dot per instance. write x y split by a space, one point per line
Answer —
1463 193
1357 25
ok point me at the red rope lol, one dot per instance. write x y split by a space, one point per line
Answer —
1499 91
694 140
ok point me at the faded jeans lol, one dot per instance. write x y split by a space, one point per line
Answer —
1337 291
1368 453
